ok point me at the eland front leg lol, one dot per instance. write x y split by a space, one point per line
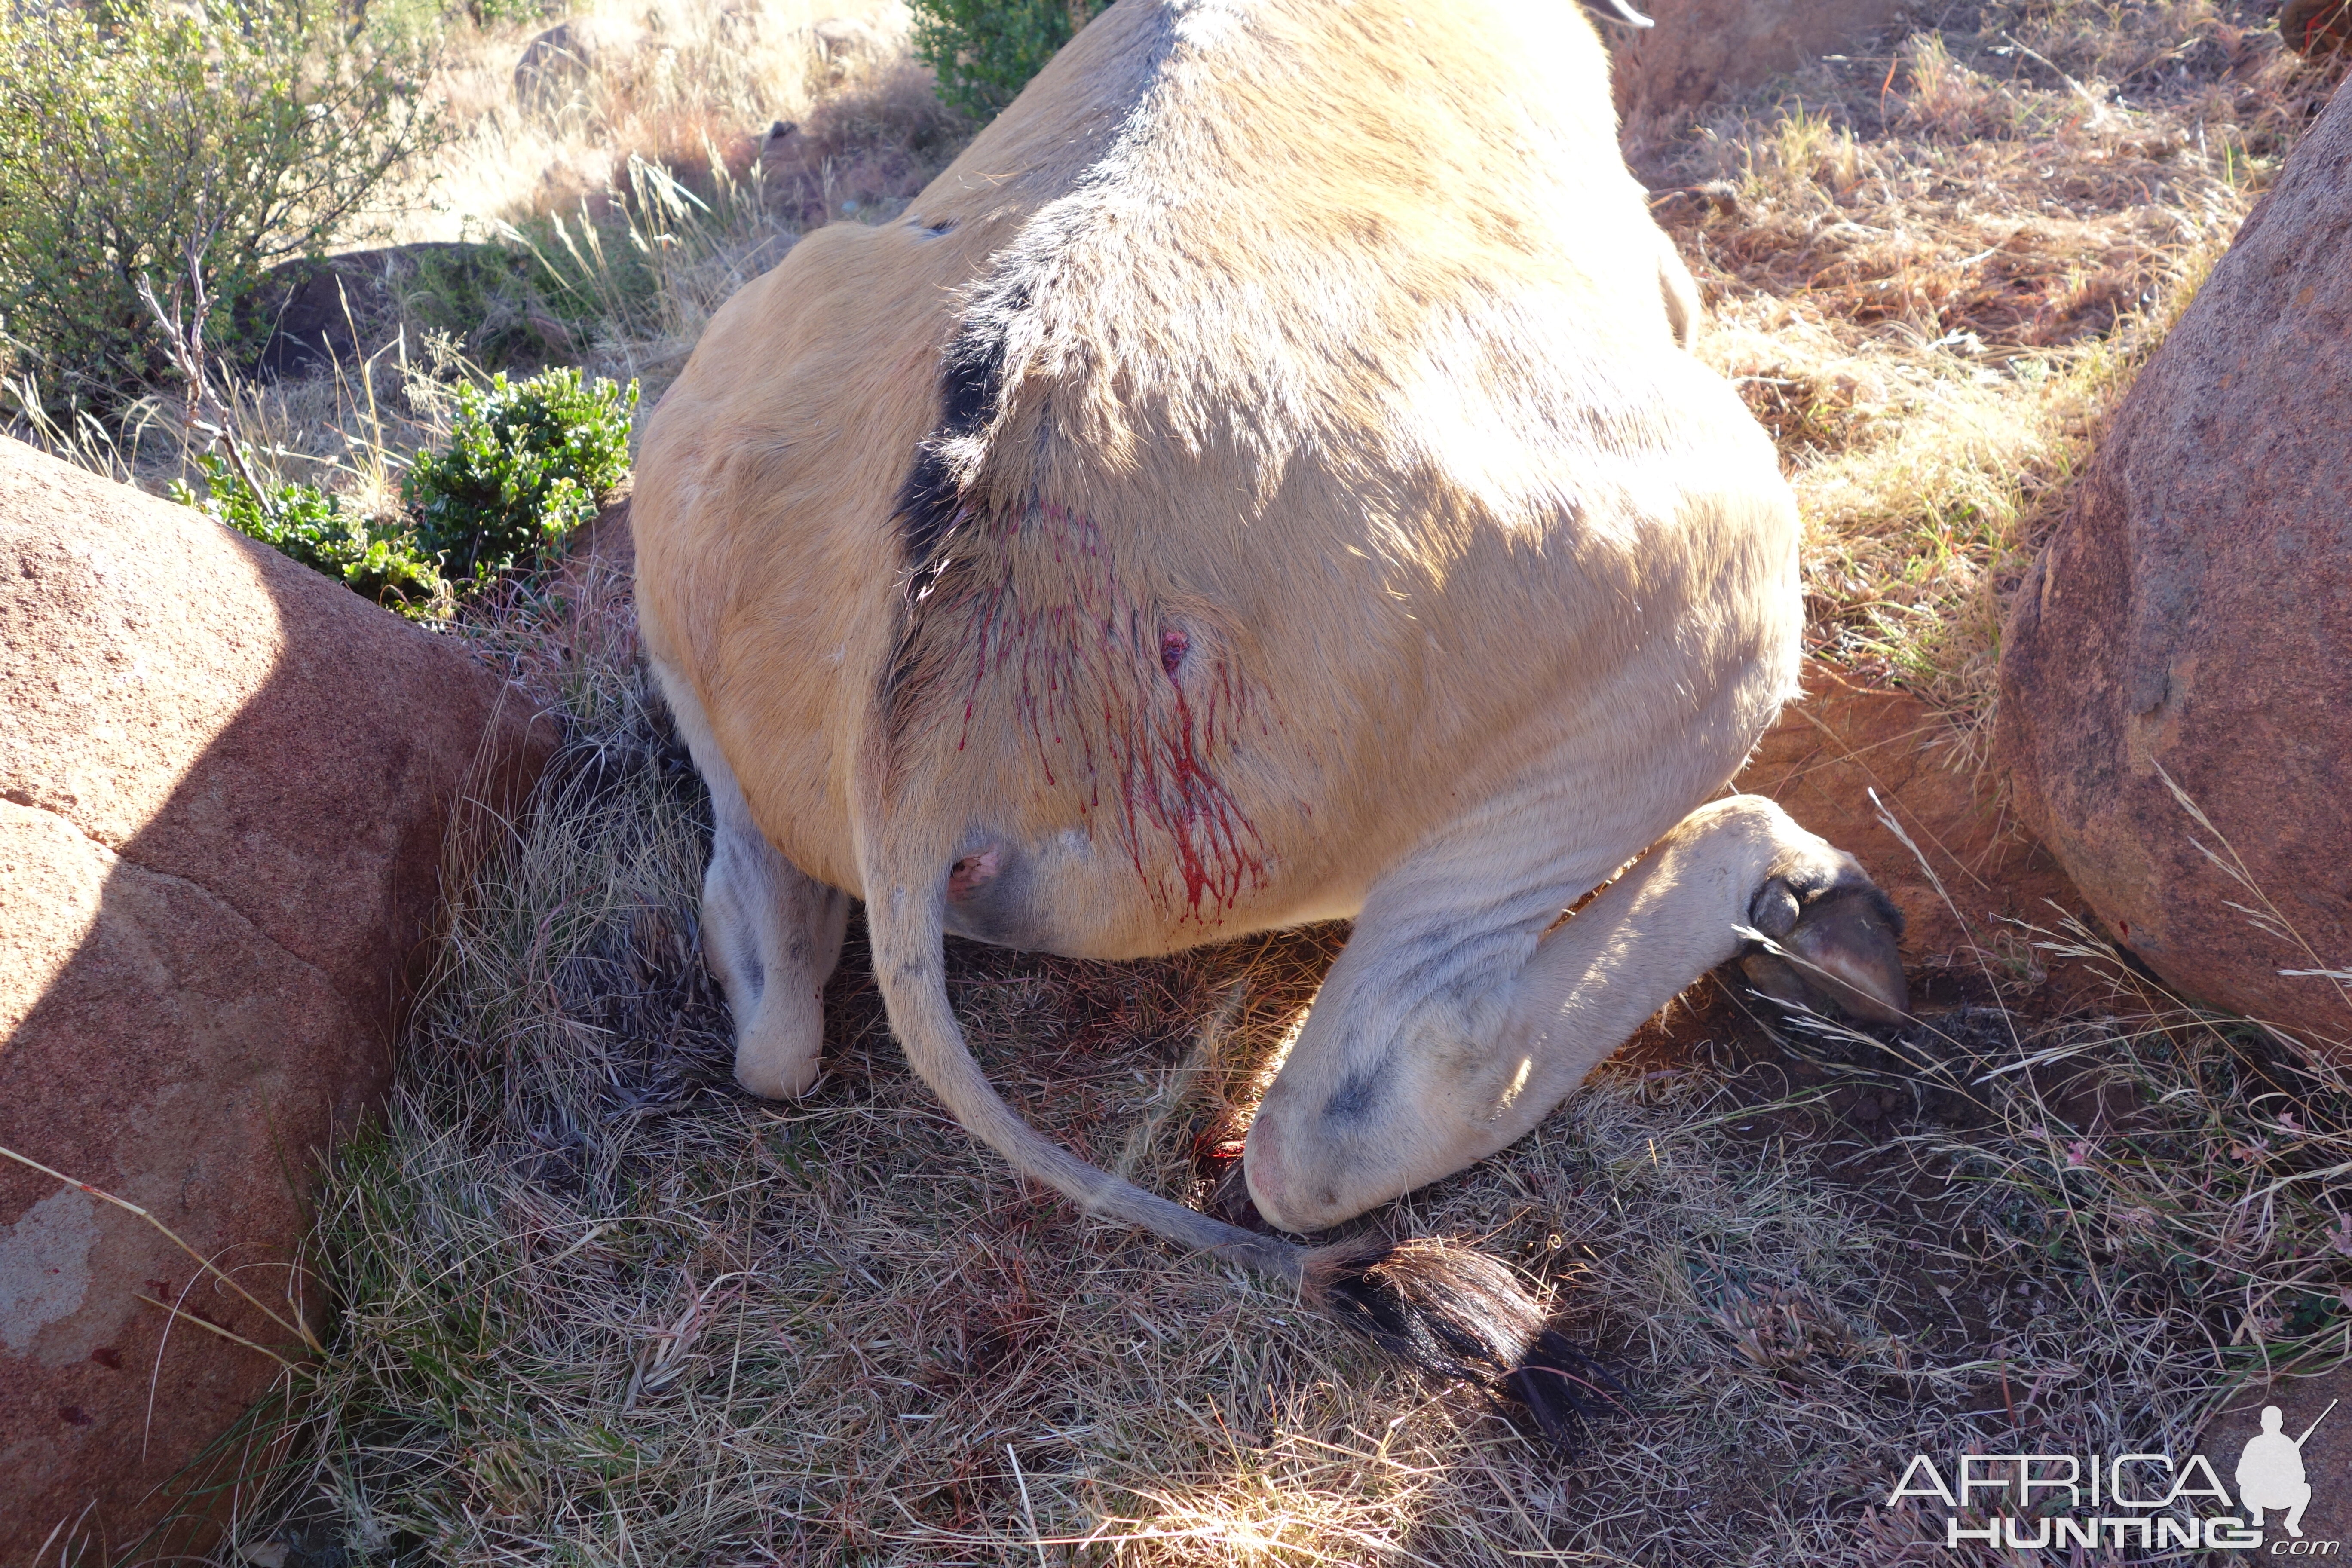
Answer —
1439 1039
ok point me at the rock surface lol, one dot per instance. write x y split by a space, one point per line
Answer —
1822 759
317 314
2316 28
2192 618
225 786
557 64
1702 48
863 153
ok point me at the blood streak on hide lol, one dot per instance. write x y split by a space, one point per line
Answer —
1189 802
1102 691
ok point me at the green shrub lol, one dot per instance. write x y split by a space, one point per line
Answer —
491 13
527 464
383 564
131 131
985 51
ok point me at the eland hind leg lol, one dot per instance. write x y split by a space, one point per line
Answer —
1452 1023
770 933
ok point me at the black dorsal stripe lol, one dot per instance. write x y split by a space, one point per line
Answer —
972 381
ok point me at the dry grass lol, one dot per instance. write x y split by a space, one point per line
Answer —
682 83
1934 270
598 1306
630 155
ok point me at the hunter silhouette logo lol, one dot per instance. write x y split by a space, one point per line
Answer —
2270 1472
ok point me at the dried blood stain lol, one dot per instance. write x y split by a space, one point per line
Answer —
1103 691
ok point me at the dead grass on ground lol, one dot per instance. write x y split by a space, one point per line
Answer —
686 84
1933 270
596 1305
629 152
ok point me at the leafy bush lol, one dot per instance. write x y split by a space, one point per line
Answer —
526 465
380 562
131 131
985 51
492 13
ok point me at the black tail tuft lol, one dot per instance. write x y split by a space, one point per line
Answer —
1460 1314
1561 1385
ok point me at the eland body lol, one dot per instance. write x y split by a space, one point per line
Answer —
1262 481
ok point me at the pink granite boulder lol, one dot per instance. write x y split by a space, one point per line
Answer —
226 787
2191 622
